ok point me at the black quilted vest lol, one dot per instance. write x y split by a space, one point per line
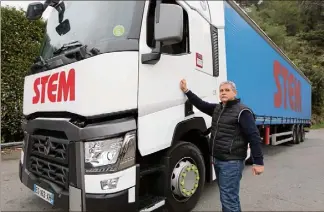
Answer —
227 142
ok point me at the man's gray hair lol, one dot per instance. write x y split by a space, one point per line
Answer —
230 83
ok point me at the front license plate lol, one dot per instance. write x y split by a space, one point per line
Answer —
45 195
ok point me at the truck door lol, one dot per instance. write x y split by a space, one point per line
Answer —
160 100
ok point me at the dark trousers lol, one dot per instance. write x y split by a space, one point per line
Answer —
229 175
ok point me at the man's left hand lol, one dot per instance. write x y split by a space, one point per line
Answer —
257 169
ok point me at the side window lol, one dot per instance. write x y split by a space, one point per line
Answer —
175 49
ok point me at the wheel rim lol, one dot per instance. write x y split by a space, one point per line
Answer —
184 179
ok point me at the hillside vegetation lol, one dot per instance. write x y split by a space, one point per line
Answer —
296 26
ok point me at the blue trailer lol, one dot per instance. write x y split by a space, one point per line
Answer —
268 81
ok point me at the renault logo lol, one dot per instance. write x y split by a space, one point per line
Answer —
47 147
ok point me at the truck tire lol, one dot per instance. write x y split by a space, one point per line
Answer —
185 177
294 130
298 134
302 133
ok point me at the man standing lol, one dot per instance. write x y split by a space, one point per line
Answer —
233 128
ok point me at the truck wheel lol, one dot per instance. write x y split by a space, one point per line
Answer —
302 132
295 134
298 134
185 177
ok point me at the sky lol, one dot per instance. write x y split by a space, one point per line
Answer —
24 5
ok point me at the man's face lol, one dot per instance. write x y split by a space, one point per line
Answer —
226 93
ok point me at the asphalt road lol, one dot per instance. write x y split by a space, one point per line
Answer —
293 180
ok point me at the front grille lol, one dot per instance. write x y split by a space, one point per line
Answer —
48 152
50 171
50 148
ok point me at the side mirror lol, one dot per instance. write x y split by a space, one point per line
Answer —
35 11
64 27
169 24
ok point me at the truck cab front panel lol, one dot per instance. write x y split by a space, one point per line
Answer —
59 164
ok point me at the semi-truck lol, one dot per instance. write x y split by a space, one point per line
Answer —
106 126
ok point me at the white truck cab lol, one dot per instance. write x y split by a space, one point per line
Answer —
106 126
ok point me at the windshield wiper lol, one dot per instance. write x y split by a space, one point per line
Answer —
68 46
73 48
39 65
74 51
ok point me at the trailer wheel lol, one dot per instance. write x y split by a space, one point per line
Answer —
298 134
302 132
295 134
185 177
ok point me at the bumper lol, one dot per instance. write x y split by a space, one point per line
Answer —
126 200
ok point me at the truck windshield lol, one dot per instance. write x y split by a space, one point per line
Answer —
97 24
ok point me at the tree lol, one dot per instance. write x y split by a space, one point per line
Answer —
297 27
21 40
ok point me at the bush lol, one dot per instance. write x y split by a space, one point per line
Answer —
21 40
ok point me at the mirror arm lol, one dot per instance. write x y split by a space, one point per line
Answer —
60 7
153 57
157 11
46 4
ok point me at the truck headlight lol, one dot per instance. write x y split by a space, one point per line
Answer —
103 152
111 154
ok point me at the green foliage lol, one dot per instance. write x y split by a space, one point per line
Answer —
318 126
297 27
20 45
